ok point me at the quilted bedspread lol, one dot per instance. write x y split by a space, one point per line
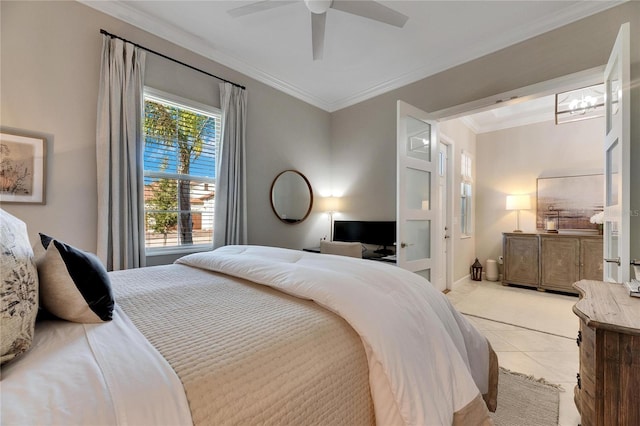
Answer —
427 364
247 354
262 335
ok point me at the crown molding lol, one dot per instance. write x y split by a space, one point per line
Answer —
567 16
186 40
189 41
468 121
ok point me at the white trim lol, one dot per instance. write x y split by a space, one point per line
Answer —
461 280
180 102
533 118
471 124
184 250
572 81
178 176
451 149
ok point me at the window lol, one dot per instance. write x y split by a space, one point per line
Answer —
466 192
180 140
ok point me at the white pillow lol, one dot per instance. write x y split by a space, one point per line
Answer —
18 288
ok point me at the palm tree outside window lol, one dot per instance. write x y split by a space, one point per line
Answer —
180 141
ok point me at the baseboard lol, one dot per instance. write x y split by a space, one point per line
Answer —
461 280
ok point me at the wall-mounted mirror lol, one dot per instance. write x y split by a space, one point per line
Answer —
291 196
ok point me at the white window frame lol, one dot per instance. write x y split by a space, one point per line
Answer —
180 102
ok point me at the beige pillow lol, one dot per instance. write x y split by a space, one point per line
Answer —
18 288
74 285
341 248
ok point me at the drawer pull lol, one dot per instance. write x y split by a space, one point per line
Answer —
579 339
579 381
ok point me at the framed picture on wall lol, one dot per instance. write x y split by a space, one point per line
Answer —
573 198
22 168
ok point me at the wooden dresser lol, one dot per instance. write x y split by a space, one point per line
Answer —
608 389
551 261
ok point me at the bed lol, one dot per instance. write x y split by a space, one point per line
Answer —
258 335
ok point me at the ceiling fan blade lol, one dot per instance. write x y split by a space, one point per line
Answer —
317 34
258 6
371 10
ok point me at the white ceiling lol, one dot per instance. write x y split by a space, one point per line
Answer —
362 58
519 114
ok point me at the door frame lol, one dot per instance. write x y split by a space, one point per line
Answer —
561 84
450 208
576 80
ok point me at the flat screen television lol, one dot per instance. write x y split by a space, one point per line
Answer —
379 233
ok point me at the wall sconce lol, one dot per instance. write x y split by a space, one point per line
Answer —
580 104
517 203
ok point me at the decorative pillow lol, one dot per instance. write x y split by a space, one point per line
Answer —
341 248
74 284
18 288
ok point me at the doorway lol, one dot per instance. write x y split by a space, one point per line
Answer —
503 166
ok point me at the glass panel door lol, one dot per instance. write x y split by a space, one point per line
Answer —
617 165
417 203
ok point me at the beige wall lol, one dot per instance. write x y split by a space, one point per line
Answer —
49 79
370 125
509 162
464 247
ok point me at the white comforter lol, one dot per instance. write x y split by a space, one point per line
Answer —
425 360
91 374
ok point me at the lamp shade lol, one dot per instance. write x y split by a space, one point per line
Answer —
331 204
518 202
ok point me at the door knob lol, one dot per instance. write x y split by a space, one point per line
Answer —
403 245
446 236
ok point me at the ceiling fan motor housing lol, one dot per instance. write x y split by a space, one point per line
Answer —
318 6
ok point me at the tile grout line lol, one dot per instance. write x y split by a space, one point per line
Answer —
519 326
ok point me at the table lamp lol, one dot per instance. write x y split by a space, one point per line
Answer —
517 203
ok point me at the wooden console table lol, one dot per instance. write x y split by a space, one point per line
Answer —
608 389
551 261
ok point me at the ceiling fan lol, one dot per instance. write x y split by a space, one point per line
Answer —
366 8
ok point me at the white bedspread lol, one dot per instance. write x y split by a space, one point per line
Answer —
423 356
91 374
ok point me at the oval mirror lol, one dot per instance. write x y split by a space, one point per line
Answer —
291 196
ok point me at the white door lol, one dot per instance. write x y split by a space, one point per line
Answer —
442 271
418 236
617 150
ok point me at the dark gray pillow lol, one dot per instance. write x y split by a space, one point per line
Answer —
74 285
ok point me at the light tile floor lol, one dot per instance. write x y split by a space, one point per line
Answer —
519 347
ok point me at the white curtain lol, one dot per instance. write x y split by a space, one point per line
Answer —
119 151
230 219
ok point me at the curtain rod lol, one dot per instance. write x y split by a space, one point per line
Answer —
170 59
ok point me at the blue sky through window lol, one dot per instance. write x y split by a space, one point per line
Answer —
158 153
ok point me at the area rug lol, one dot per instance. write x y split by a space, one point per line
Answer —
526 401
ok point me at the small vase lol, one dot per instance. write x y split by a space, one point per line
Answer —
600 229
